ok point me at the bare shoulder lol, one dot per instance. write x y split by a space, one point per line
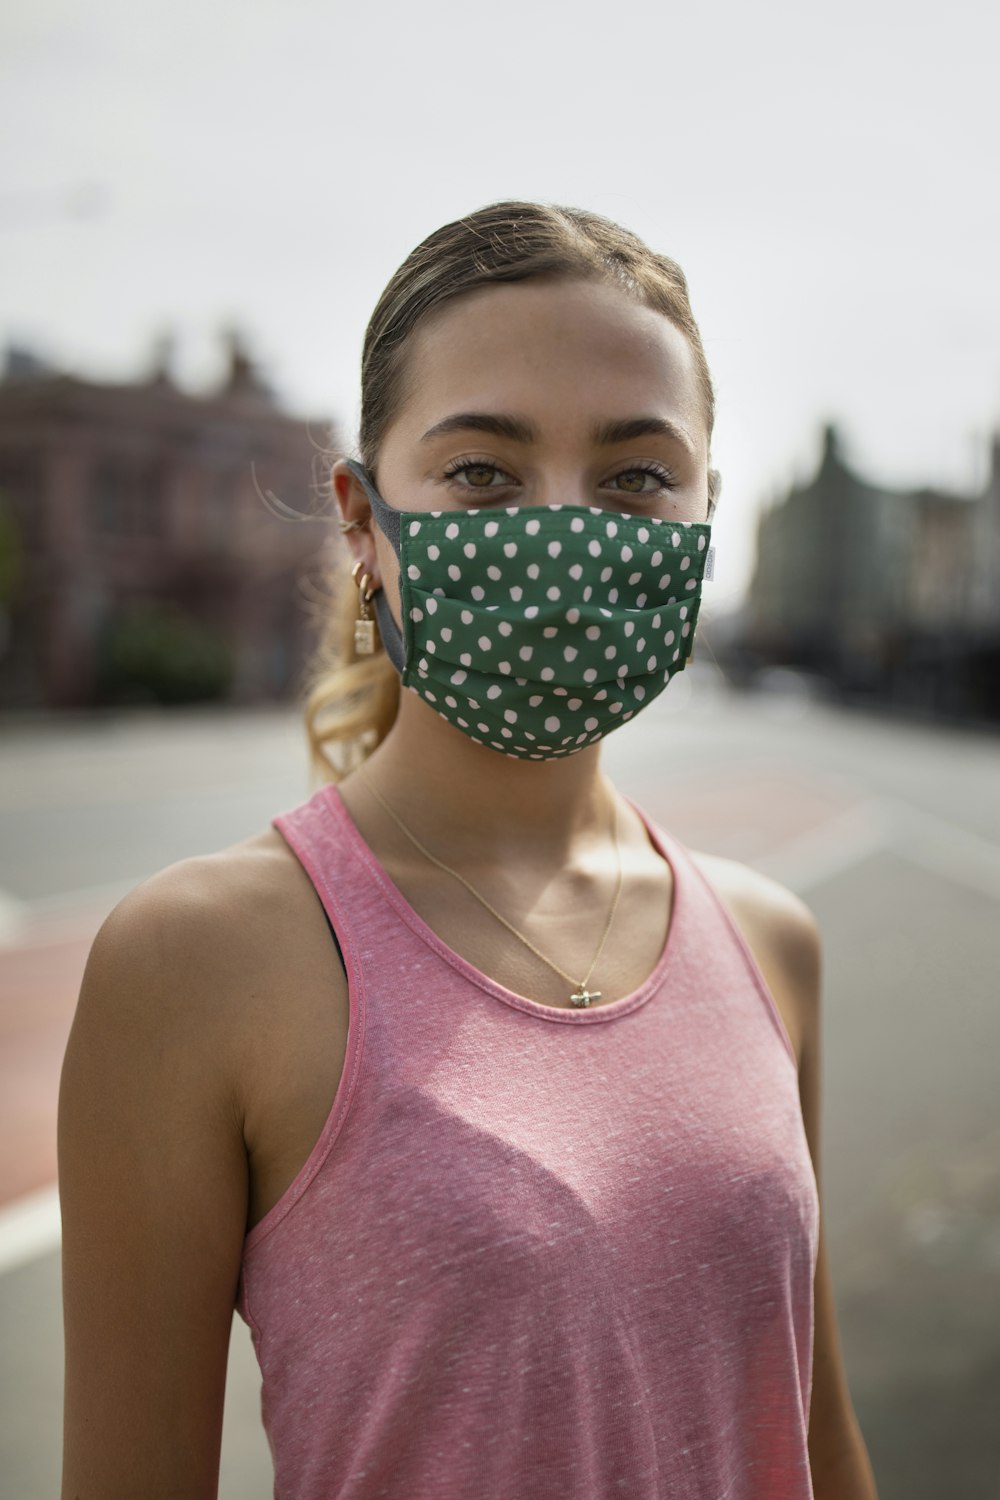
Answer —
207 941
761 900
782 933
234 887
205 911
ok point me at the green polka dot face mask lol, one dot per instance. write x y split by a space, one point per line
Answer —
537 630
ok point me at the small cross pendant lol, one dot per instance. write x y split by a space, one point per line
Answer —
584 996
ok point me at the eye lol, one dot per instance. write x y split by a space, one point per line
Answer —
479 474
632 481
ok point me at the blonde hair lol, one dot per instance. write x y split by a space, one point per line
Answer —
351 701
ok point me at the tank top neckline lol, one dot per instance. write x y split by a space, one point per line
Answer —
335 807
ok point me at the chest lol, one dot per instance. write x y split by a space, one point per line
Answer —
296 1057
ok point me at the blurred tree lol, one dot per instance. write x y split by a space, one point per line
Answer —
11 566
11 551
155 653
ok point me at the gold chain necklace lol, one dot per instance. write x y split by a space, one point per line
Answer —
581 996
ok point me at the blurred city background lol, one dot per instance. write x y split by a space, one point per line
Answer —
198 209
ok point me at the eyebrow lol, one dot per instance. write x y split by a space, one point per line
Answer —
520 430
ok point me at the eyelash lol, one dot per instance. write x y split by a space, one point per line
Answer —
668 479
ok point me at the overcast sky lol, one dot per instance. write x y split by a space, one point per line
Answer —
827 177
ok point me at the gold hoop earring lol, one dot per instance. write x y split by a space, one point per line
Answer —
364 626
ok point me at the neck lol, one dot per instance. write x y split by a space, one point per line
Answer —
482 806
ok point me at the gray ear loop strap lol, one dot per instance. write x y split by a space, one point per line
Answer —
386 516
714 490
392 640
388 522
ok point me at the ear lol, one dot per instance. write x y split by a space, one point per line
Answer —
714 490
353 505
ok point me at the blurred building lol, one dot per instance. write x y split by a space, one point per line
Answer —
887 593
137 560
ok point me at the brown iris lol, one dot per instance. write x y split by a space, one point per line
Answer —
483 471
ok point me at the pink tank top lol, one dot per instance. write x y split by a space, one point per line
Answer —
539 1254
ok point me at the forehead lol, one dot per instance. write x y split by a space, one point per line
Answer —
556 350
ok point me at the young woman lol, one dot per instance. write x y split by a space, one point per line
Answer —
491 1107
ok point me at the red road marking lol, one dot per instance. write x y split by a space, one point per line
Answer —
39 983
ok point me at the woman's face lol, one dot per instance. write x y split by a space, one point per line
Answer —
542 393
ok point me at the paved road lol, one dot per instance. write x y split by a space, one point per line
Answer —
890 830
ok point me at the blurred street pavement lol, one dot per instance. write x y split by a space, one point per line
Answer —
889 830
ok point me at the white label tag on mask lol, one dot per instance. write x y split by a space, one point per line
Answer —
709 573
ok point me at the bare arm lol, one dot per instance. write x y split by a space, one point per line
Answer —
841 1468
787 943
153 1187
